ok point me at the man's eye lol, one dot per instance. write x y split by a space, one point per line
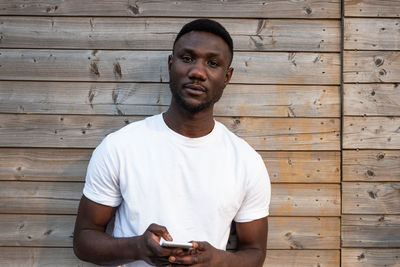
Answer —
213 63
187 59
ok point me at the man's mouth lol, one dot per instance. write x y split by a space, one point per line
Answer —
195 89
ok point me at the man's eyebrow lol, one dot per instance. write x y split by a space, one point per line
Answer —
191 51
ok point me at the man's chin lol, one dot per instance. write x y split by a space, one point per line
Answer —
194 107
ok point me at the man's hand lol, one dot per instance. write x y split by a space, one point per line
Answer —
203 255
152 252
252 245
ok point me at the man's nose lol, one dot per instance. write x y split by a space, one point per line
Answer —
198 71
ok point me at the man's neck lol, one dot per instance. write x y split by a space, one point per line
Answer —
189 124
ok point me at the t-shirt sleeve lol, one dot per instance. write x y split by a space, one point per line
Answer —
102 183
258 194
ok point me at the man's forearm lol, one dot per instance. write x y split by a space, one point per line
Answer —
246 257
103 249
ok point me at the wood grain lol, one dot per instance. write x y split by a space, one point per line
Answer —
63 198
371 66
299 258
305 200
371 132
69 165
371 34
360 257
206 8
41 256
371 165
302 167
371 198
87 131
370 231
290 134
37 230
58 130
154 98
56 230
371 99
44 164
159 33
65 257
372 8
151 66
40 197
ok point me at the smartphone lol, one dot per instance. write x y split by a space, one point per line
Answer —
172 244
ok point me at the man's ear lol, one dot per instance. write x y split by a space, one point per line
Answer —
228 76
169 62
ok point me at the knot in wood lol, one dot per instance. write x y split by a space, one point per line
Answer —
380 156
308 10
379 61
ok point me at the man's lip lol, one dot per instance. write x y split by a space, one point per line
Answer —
196 87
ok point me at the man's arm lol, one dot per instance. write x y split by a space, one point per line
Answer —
251 251
92 244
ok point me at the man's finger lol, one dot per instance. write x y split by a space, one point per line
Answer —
160 230
188 260
201 245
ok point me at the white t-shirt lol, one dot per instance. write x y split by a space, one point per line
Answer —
193 186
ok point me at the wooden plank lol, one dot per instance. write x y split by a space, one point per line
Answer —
151 66
69 165
159 33
56 230
371 34
206 8
371 99
371 66
371 198
58 130
371 132
372 8
361 257
370 231
302 167
304 233
65 257
37 230
63 198
291 133
299 258
28 256
87 131
305 200
27 164
40 197
371 165
154 98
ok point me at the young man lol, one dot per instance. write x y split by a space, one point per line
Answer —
179 175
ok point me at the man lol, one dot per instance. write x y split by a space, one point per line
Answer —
178 175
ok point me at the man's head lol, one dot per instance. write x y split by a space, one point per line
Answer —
207 25
199 67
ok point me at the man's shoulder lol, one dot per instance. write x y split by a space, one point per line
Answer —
237 142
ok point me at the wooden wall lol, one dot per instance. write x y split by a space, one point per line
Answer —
371 134
73 71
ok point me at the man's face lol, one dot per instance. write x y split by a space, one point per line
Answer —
199 70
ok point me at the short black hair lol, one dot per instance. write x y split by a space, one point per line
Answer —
207 25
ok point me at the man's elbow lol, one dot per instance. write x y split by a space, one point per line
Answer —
262 256
77 248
